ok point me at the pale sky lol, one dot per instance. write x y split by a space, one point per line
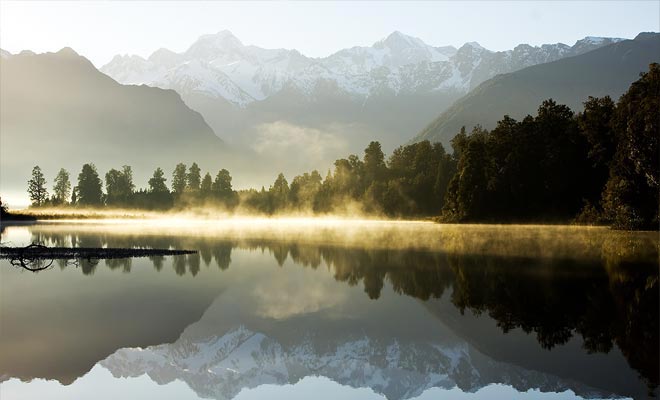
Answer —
99 30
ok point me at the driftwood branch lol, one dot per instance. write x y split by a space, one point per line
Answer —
30 257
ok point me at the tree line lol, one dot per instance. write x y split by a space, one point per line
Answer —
187 188
396 187
597 166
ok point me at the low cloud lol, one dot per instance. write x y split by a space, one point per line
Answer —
298 292
299 146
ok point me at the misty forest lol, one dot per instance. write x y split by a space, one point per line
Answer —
597 166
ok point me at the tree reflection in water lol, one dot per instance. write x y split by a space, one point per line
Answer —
602 287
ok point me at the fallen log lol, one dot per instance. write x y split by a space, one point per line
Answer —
27 257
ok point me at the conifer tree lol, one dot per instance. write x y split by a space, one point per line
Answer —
193 178
179 179
37 187
89 186
62 187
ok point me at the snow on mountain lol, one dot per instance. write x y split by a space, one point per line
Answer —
221 66
221 366
392 52
4 53
590 43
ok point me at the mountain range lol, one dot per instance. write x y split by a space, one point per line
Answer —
221 66
221 366
389 91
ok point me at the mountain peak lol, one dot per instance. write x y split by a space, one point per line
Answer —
397 40
396 34
162 51
209 45
474 45
473 48
225 34
67 51
164 56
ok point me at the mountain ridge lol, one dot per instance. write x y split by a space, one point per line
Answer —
221 366
608 70
358 70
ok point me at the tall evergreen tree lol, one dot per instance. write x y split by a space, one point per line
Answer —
158 195
206 185
127 173
179 179
222 184
62 187
279 192
193 178
37 187
374 162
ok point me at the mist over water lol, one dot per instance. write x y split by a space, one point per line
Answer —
399 309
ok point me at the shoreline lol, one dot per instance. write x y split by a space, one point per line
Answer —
197 216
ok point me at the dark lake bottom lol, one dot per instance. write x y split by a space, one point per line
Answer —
332 309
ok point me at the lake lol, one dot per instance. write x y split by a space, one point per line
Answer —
328 309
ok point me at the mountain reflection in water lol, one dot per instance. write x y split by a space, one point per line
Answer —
549 308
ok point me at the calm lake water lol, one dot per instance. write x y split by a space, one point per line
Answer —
302 309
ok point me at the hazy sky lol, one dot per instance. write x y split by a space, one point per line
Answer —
99 30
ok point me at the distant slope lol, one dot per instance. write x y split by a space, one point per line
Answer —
57 110
606 71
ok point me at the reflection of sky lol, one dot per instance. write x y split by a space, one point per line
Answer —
99 384
300 291
263 284
17 236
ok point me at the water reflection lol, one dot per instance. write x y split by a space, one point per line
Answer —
592 292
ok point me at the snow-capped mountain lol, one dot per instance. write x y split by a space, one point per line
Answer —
300 113
246 339
221 66
220 366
